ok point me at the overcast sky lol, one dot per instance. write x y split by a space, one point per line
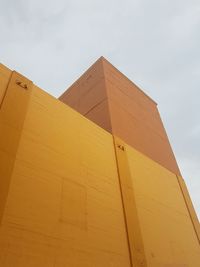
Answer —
156 43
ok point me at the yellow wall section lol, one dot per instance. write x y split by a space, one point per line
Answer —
5 75
168 233
190 206
64 206
12 115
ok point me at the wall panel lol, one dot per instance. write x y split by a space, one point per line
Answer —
168 234
5 75
63 207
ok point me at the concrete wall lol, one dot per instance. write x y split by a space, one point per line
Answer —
62 207
72 194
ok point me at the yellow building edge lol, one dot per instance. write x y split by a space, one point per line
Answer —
190 206
5 75
14 104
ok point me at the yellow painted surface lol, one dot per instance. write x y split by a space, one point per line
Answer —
69 196
135 240
64 205
12 114
190 207
167 230
5 75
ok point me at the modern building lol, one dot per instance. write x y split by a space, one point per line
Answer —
90 179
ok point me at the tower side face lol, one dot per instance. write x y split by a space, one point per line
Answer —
88 95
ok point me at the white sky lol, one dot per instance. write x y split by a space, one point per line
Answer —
155 43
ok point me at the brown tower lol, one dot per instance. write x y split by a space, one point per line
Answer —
107 97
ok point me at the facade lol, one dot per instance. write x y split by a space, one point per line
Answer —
90 179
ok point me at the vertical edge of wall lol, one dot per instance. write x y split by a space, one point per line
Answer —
13 110
189 205
5 75
134 235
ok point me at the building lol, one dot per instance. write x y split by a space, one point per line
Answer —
90 179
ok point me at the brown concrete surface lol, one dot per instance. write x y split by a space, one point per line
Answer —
108 98
88 95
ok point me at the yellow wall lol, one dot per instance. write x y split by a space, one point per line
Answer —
70 196
12 114
5 74
4 184
168 234
64 206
